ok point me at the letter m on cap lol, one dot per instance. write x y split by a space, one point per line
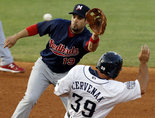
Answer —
79 7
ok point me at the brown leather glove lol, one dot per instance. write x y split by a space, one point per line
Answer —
96 20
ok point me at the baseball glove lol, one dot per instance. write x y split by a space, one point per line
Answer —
96 20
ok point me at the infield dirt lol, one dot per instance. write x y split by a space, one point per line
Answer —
13 86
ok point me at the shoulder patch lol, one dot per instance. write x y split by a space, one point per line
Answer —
130 84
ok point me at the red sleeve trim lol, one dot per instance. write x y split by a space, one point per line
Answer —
32 30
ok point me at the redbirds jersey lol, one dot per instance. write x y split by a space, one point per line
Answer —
62 52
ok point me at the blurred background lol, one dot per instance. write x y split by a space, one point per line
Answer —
130 24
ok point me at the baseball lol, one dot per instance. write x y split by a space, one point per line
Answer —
47 17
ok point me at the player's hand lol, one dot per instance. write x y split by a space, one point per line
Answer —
144 54
95 36
10 41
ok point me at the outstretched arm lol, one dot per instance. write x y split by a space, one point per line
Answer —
29 31
97 22
93 43
10 41
143 75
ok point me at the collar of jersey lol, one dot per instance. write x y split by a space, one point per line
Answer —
93 77
70 34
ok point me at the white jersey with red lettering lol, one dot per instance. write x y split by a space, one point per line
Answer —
91 96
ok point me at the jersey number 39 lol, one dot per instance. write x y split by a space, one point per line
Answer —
89 106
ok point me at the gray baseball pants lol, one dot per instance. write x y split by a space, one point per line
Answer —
41 77
5 54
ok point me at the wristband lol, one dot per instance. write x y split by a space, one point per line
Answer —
94 41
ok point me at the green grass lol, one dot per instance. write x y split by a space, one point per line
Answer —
131 23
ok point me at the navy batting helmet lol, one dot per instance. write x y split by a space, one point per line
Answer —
110 64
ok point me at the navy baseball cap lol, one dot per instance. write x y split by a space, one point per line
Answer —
80 9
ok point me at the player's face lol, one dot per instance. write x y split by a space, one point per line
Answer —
77 24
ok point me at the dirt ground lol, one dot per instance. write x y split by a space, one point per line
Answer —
13 86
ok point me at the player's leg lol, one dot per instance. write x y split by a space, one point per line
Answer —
64 101
6 59
66 115
54 79
36 86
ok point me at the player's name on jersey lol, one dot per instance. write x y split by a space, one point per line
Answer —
88 88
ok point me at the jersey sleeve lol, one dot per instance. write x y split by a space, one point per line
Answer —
32 30
130 91
46 27
64 85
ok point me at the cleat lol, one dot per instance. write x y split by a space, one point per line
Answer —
12 68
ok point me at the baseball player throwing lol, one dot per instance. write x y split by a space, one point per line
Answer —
93 94
69 42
